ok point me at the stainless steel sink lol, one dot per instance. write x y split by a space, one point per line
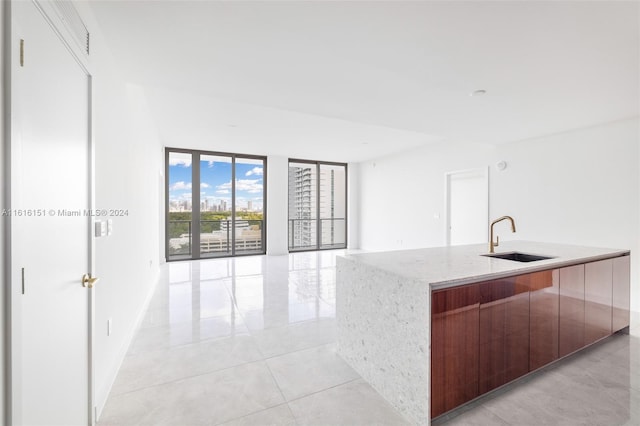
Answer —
517 256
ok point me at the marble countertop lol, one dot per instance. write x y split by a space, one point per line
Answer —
455 265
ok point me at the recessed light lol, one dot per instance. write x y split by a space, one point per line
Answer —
478 92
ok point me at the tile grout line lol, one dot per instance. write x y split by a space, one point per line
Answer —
329 388
297 351
190 377
254 413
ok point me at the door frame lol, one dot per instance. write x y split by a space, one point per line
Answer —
480 172
5 193
11 141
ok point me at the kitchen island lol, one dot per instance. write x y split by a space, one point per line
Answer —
431 329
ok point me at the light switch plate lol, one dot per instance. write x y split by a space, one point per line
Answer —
100 228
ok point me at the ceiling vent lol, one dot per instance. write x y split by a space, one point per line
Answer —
72 20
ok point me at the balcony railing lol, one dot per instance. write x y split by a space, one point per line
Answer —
180 243
216 237
303 234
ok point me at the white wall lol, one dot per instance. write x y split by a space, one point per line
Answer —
400 195
128 168
127 173
579 187
277 202
353 205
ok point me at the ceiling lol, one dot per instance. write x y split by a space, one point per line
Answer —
355 80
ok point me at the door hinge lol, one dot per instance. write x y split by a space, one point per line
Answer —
22 280
21 52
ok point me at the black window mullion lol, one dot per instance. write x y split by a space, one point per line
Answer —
346 205
318 221
195 205
233 205
166 204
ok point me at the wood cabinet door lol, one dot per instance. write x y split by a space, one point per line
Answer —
620 293
487 334
504 332
598 289
544 306
454 347
571 324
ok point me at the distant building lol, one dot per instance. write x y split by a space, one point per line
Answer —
179 206
302 207
332 206
240 224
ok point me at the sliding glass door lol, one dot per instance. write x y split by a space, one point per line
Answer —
248 205
215 212
303 198
223 214
179 232
317 205
332 205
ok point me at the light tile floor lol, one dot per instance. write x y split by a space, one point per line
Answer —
251 341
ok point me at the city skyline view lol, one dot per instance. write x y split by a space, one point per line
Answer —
216 183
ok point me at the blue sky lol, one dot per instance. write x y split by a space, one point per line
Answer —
215 180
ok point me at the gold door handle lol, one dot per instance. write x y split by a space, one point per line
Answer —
88 281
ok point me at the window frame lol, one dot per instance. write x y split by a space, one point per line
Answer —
318 228
196 156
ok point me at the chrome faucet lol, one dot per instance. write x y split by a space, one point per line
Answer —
491 243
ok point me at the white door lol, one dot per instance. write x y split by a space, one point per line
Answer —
467 207
50 191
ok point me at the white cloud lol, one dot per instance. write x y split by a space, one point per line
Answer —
180 197
180 186
222 191
183 160
250 185
255 171
253 186
205 185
